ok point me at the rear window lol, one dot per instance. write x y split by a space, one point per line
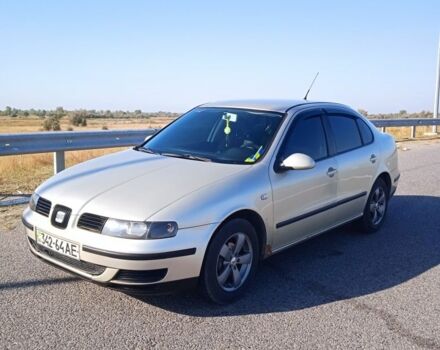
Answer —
367 135
346 133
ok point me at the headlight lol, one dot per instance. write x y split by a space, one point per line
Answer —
33 201
139 229
125 229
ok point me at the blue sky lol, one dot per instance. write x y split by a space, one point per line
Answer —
172 55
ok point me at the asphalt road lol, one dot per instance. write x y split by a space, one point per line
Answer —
340 290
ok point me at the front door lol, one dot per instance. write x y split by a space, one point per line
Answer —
302 199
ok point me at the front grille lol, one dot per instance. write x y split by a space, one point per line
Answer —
43 206
148 276
92 222
65 219
85 266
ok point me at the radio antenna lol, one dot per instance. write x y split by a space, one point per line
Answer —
307 93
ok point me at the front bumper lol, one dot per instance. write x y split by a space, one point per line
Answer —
122 262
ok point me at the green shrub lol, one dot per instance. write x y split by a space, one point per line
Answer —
78 118
51 123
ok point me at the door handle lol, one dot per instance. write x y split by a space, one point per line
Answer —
373 158
331 172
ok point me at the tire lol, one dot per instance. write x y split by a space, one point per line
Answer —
225 275
376 208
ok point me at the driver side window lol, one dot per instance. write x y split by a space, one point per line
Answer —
308 137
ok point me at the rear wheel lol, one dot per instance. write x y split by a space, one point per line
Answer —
231 261
376 207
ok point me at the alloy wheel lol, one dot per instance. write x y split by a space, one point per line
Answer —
234 262
378 205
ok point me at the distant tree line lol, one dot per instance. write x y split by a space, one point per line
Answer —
84 113
79 115
51 118
402 114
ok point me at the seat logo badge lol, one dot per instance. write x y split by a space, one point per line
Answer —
59 218
264 196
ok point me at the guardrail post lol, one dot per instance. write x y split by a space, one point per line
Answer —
413 132
58 161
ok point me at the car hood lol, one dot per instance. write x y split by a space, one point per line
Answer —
130 184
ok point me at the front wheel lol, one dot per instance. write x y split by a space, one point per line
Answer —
231 261
375 208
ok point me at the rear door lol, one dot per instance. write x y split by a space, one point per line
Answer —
356 156
302 199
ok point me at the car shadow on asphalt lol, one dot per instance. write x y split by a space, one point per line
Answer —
338 265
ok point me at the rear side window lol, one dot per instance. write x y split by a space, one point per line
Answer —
346 133
307 137
367 135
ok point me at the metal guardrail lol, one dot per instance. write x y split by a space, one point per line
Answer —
59 142
413 123
404 122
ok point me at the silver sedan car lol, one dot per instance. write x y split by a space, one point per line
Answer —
205 199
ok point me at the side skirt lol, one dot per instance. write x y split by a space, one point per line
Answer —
316 234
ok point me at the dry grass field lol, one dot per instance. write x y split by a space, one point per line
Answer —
401 134
32 124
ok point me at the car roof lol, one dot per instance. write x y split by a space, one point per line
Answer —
260 104
273 105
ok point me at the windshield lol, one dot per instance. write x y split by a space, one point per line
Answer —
215 134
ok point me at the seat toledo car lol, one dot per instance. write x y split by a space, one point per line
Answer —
206 198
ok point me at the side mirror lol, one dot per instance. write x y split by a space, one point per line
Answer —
297 161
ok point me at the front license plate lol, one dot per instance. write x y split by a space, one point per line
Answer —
57 244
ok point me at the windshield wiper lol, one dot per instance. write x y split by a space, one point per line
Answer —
186 156
202 159
145 150
169 154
